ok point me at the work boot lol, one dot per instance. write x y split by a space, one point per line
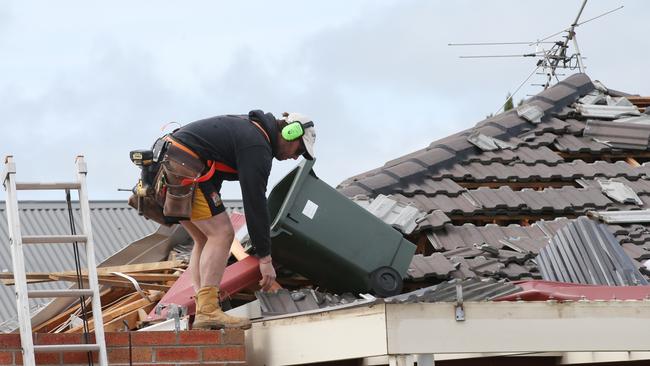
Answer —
209 314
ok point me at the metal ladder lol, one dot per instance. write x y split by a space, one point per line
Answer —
17 240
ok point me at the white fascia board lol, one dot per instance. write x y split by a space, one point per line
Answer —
431 328
326 336
494 327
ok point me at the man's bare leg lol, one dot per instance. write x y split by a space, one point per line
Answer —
212 261
199 242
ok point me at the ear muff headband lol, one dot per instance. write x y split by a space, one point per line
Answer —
295 130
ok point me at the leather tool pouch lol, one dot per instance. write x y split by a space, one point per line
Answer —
176 166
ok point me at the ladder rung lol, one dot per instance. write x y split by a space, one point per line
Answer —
66 347
59 293
47 239
42 186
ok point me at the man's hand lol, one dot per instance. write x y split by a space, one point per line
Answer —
268 273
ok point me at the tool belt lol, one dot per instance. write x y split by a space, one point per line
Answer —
165 191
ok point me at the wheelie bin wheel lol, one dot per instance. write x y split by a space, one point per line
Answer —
385 282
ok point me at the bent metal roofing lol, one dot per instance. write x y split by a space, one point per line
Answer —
511 182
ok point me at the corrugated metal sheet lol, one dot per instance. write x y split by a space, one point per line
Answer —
114 224
585 252
472 290
619 134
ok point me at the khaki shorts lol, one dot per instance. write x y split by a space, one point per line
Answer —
207 203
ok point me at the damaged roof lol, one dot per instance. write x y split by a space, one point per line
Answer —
491 197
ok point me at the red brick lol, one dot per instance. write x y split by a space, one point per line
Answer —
230 353
115 339
178 354
121 355
9 341
47 358
234 336
79 357
207 337
153 338
58 338
6 358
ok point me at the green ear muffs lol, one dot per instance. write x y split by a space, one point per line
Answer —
295 130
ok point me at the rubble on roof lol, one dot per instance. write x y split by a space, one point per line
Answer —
575 148
487 143
402 216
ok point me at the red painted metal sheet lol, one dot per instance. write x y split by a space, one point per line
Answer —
562 291
236 277
238 220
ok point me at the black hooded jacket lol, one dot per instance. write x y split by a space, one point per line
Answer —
238 143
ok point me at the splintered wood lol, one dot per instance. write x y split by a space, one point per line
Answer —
128 294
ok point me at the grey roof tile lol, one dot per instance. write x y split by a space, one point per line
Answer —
430 187
434 220
564 93
435 265
485 266
514 271
524 154
636 251
580 144
619 134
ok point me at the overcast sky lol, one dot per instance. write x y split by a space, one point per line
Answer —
377 77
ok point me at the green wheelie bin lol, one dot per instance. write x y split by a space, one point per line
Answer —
321 234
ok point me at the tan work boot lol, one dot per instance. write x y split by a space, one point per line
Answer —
209 314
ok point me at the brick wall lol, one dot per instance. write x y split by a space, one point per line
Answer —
194 347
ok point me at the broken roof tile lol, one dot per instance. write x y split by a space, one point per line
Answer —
434 220
619 192
485 266
487 143
579 144
606 111
619 134
530 113
622 217
435 265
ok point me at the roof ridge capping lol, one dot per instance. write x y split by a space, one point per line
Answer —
449 150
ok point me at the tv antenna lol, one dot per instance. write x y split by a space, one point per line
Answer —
549 59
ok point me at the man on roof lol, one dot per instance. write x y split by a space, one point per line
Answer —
235 147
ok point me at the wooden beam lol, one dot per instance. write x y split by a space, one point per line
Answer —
118 311
639 101
632 161
107 296
113 282
132 317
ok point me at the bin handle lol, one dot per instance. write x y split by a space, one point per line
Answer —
303 170
277 231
